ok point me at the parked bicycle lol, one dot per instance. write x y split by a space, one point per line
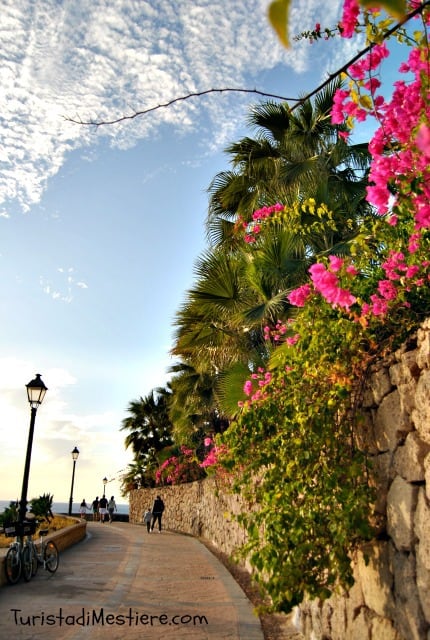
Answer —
24 556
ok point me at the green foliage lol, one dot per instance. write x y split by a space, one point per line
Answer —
294 451
299 463
41 507
181 466
10 513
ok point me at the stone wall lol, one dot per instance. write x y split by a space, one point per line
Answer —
390 599
203 509
391 596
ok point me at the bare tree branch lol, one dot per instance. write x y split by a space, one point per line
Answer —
98 123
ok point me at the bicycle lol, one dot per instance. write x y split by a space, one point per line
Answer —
23 557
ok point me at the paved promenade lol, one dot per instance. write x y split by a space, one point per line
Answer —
123 583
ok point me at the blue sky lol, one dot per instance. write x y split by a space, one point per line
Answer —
100 227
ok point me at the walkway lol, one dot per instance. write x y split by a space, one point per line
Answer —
122 582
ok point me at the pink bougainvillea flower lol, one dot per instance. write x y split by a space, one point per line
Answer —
351 10
351 270
327 284
379 305
299 296
387 289
247 387
412 271
414 243
345 299
336 263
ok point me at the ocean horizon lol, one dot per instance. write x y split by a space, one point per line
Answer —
63 507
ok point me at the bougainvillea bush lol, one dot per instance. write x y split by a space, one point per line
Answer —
293 445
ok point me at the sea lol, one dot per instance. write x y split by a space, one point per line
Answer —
63 507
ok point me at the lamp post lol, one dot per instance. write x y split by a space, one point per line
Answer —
35 392
75 456
105 481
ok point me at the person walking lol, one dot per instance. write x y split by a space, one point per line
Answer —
157 513
83 509
147 517
95 506
111 508
103 503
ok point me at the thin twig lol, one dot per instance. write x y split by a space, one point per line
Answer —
98 123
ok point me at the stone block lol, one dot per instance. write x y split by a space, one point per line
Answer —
401 503
338 620
360 627
423 351
365 433
380 384
326 614
383 629
354 600
423 583
422 529
376 579
391 423
427 475
421 413
367 399
409 458
407 396
409 619
381 476
406 369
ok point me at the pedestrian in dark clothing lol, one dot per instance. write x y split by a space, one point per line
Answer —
157 512
111 508
95 506
103 503
147 517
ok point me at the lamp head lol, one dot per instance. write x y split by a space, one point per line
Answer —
36 390
75 453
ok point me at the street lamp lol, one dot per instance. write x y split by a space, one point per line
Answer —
36 392
75 456
105 481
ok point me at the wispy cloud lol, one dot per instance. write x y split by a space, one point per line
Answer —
92 59
64 286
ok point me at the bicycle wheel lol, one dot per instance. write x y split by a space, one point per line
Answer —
35 561
12 565
51 556
27 562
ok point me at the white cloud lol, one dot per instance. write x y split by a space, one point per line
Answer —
64 287
89 59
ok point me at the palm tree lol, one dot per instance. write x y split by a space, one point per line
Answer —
296 154
148 424
194 410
